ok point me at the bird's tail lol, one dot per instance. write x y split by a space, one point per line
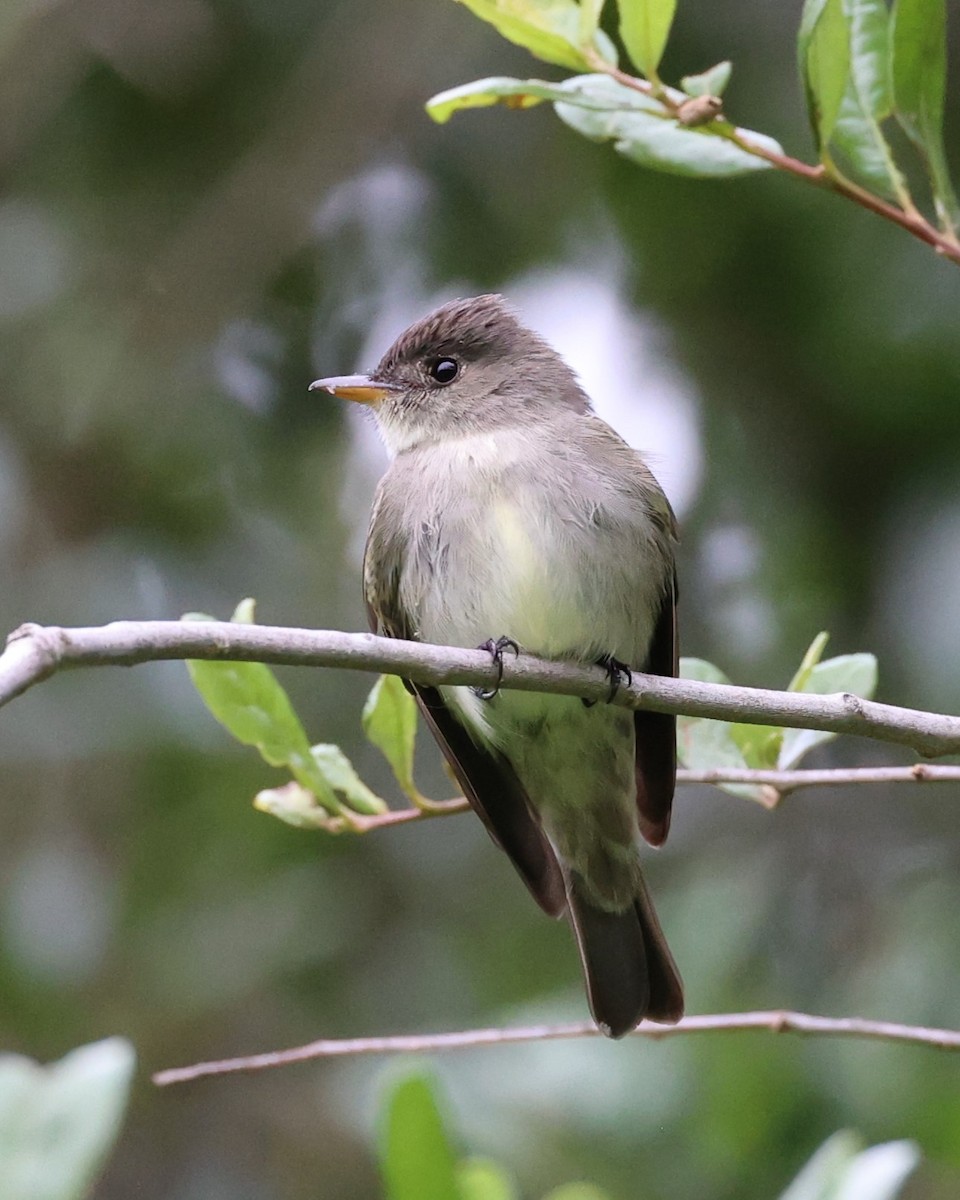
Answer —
629 970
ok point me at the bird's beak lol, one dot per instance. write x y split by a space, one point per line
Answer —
360 388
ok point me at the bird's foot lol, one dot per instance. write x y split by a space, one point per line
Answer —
496 649
618 674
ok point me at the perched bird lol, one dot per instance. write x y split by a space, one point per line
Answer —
511 515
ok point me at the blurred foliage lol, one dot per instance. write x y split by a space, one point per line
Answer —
248 700
58 1123
419 1162
207 204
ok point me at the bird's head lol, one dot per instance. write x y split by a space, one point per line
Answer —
469 367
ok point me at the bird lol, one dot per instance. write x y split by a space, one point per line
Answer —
511 517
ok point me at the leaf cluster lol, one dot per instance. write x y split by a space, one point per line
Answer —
251 703
865 68
705 745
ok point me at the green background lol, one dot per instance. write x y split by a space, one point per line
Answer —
206 205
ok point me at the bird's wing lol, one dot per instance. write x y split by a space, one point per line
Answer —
498 798
488 781
655 733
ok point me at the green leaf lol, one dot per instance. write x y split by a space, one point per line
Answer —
880 1172
644 28
919 65
706 745
549 29
247 699
918 43
514 93
481 1179
842 1170
819 1178
590 13
810 659
416 1159
601 108
390 722
759 744
854 673
867 101
57 1123
340 775
824 52
712 82
249 702
702 671
246 612
869 24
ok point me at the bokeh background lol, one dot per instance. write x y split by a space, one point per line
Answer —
206 204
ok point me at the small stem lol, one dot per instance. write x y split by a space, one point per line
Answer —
911 220
781 783
789 781
776 1021
396 816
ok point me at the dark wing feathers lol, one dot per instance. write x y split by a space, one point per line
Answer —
498 798
628 966
656 733
489 783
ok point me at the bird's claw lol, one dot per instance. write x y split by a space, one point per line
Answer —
618 673
495 649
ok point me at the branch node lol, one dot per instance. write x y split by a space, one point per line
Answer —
27 630
699 110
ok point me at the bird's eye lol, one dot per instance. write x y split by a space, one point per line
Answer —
444 370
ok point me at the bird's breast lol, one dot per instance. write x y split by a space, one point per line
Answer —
512 542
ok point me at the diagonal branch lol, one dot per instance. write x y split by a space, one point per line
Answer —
35 652
775 1021
910 219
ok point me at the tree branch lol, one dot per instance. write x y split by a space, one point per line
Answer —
775 1021
789 781
778 783
909 219
35 652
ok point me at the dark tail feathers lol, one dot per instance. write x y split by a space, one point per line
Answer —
629 970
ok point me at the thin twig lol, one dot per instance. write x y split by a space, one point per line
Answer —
361 823
780 783
911 220
789 781
775 1021
35 652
